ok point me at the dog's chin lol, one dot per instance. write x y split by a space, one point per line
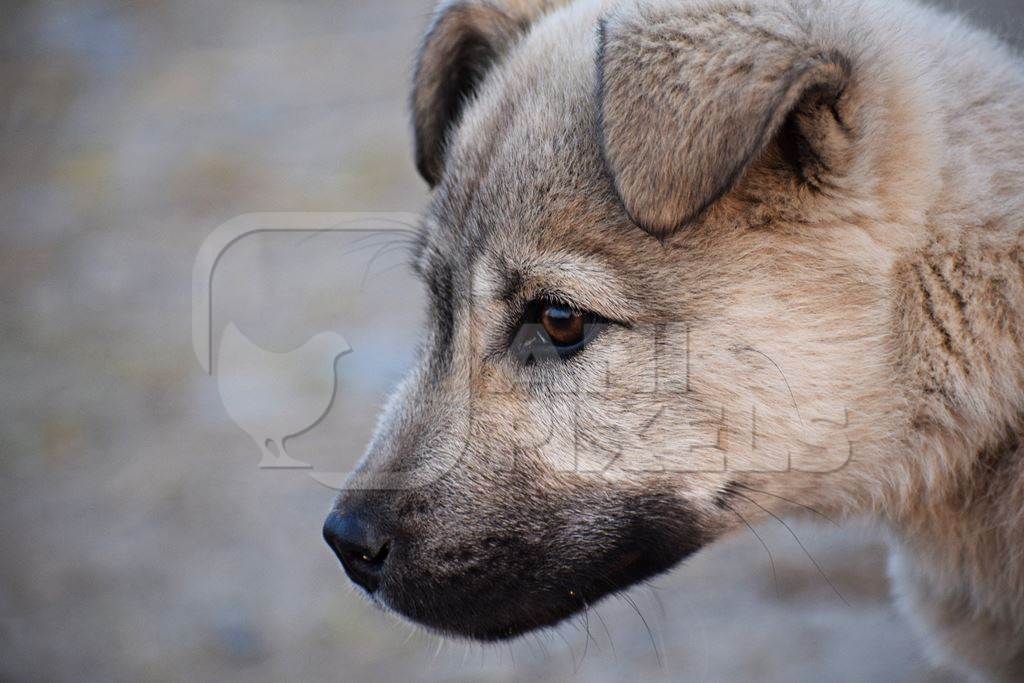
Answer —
502 607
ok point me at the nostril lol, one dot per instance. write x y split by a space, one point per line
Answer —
370 557
360 549
366 557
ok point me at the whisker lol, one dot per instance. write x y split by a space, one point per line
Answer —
572 653
785 379
543 647
650 633
657 600
390 247
527 643
607 633
802 547
364 242
411 234
771 560
391 268
586 643
791 502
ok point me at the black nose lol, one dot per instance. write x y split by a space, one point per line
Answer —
360 548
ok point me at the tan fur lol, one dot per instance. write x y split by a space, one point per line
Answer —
463 41
847 333
677 50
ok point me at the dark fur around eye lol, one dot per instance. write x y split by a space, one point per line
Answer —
532 342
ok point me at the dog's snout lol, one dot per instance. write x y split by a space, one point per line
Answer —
361 548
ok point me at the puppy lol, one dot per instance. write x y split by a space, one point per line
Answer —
692 262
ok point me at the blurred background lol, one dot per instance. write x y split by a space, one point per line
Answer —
139 539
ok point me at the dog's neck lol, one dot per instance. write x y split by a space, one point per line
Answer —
960 291
961 319
960 340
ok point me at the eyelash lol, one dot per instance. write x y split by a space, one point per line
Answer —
529 342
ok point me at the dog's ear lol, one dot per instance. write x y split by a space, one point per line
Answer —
464 41
685 109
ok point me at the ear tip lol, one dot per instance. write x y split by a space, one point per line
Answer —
463 40
841 61
657 224
660 231
835 69
426 154
427 169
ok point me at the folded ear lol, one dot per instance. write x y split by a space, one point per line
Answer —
464 41
686 107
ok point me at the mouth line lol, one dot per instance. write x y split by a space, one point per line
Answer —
554 607
504 624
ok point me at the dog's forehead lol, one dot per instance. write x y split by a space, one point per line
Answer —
524 167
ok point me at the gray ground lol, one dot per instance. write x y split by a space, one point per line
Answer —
139 539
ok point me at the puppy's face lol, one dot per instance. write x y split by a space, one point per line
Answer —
657 309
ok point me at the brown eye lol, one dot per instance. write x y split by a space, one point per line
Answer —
550 331
564 326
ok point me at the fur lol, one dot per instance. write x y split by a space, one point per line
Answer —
804 219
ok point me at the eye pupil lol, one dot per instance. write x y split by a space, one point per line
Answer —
564 325
550 331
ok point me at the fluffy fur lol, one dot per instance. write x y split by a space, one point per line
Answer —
831 309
